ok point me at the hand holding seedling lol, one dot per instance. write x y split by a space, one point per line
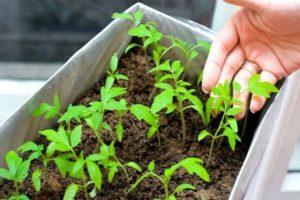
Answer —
267 34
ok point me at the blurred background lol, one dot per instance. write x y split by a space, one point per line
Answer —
38 36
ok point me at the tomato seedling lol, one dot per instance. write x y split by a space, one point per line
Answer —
192 165
17 172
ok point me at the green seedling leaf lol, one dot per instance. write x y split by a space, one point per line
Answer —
95 174
151 132
194 166
138 16
142 112
19 197
131 46
114 63
71 192
47 109
23 171
134 166
112 172
204 44
76 136
151 166
233 124
4 173
203 134
162 100
119 131
182 187
234 111
36 180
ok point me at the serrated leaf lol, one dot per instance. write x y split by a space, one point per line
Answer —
233 124
63 165
142 112
23 171
13 162
193 55
164 86
204 44
162 67
183 186
36 180
135 166
78 166
76 136
114 63
112 172
151 166
94 173
28 146
131 46
71 192
194 166
4 173
138 16
119 132
19 197
165 77
151 132
234 111
203 134
229 133
161 101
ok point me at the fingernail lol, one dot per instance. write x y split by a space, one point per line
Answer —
205 91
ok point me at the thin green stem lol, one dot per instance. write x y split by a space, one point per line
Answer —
86 194
17 188
180 108
210 152
215 136
122 166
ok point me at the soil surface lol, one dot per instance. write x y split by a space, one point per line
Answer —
135 146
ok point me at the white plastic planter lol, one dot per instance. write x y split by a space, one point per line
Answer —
265 166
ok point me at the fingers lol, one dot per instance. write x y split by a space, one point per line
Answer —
233 63
242 78
258 102
221 47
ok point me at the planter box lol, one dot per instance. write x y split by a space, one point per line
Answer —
265 165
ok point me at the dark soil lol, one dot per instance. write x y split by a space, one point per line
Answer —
135 146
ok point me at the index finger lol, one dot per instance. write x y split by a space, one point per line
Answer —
226 40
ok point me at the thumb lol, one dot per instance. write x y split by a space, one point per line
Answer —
251 4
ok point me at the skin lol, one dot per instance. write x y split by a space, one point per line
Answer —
264 32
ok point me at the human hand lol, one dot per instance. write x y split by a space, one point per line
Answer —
262 37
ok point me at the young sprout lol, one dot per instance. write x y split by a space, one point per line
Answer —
189 51
192 165
94 115
177 89
142 112
68 161
223 102
36 152
113 69
110 161
73 112
17 172
50 111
